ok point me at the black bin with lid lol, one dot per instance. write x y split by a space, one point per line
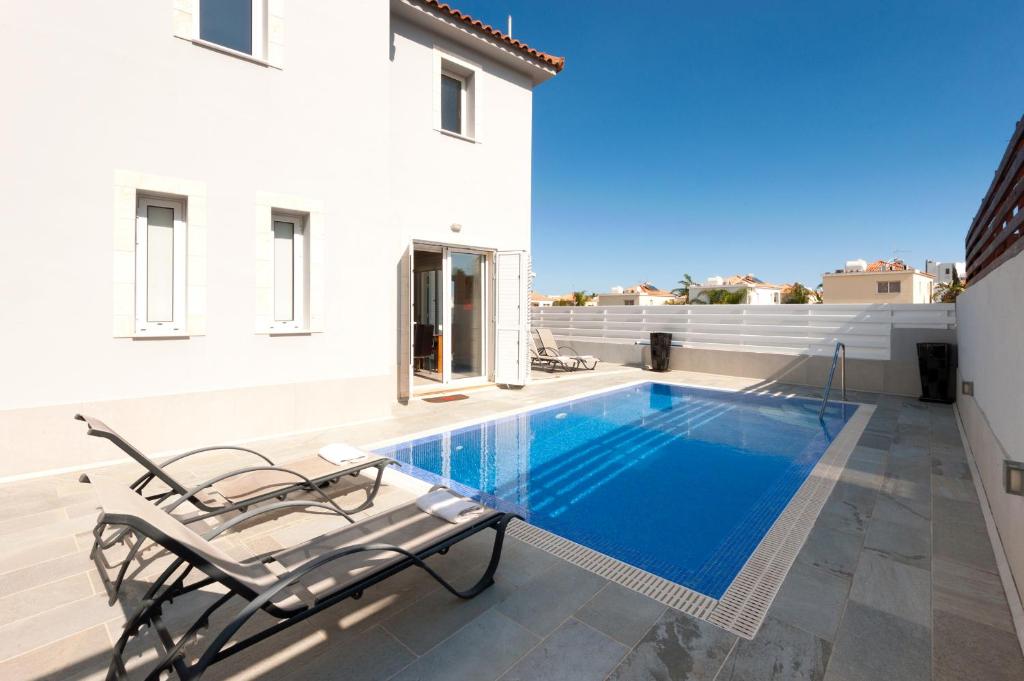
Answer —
661 346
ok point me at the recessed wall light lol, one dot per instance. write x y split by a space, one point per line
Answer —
1014 477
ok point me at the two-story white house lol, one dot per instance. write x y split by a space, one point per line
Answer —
199 195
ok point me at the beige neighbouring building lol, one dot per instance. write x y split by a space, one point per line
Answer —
879 282
205 192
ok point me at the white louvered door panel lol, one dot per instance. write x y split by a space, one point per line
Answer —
511 323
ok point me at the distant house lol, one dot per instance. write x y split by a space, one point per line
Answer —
758 292
641 294
541 300
943 271
883 281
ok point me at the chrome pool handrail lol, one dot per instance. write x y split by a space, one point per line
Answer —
831 374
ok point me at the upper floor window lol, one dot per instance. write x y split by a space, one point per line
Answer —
456 100
888 287
234 24
160 266
453 94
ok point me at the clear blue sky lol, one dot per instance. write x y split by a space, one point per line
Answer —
779 138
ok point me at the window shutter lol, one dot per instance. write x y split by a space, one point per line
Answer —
511 323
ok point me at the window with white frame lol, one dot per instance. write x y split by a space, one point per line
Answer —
235 24
888 287
160 266
291 271
456 96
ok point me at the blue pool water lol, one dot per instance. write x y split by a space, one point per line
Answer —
681 482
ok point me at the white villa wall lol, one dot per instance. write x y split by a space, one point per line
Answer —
437 179
990 332
111 89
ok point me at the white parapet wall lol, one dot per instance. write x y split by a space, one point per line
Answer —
991 358
791 343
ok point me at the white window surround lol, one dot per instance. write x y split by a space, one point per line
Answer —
469 74
129 186
267 207
160 257
268 31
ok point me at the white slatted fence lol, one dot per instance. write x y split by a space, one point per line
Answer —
779 329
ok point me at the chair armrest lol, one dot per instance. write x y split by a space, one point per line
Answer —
193 452
242 471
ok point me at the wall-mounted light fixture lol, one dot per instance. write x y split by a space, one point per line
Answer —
1014 477
456 227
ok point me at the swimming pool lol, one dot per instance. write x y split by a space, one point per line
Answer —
679 481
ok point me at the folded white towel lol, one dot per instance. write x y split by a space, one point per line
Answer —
339 452
446 505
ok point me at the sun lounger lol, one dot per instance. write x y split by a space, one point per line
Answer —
238 489
540 359
289 585
548 347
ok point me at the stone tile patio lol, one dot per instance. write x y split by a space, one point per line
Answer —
896 581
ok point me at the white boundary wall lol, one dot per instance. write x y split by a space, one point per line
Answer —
990 346
811 330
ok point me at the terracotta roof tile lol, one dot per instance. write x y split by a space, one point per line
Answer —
557 63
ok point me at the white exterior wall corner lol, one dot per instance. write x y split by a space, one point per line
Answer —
156 112
989 333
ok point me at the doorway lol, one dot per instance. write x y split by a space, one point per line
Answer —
449 300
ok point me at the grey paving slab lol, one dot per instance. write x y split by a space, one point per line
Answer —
549 598
966 651
480 651
81 656
779 651
812 599
873 645
912 514
849 507
965 543
573 652
833 550
621 613
957 489
875 439
893 587
677 648
373 655
972 594
946 510
899 542
439 614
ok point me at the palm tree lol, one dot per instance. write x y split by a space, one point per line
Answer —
684 290
947 292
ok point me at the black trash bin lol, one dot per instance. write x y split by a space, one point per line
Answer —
661 345
937 364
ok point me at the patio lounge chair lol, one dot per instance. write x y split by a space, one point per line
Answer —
548 347
289 585
538 358
238 489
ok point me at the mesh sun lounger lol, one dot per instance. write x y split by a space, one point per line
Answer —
242 487
549 348
289 585
538 358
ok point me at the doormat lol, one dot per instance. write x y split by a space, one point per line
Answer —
446 398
